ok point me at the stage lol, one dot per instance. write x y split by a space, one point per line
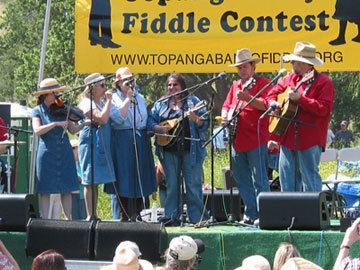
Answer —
227 245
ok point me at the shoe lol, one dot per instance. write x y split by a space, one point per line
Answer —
168 222
246 221
257 222
107 43
337 41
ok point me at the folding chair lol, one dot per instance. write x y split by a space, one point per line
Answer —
330 155
344 155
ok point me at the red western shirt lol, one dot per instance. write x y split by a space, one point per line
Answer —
315 107
3 131
246 137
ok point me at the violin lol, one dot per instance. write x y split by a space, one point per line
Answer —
60 108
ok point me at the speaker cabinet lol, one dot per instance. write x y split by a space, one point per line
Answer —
151 239
15 211
297 210
225 204
73 239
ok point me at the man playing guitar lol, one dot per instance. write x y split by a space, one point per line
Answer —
249 158
304 136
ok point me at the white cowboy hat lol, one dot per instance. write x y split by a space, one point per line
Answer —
304 52
47 86
244 56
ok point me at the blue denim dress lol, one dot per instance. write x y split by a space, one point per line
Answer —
55 163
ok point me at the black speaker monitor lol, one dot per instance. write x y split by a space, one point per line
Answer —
225 204
73 239
151 239
297 210
15 211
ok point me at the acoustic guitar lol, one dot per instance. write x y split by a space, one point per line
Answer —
288 109
170 138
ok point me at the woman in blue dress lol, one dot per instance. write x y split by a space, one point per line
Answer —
102 162
55 164
134 169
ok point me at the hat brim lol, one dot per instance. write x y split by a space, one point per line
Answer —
45 92
311 61
256 60
123 78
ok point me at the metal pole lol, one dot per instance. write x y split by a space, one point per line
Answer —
41 74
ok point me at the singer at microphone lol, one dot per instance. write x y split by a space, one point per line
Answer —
250 144
272 107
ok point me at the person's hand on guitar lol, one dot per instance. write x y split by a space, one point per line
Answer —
129 94
194 117
243 95
294 96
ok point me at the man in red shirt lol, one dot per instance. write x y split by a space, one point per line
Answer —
251 135
302 143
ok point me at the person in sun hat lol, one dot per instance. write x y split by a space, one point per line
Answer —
101 164
55 164
183 253
298 263
301 144
134 167
249 143
126 259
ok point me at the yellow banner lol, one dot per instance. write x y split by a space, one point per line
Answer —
202 36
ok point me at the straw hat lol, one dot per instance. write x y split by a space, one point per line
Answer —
126 259
304 52
123 73
299 264
244 56
47 86
93 78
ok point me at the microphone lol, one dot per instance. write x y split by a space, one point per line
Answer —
221 76
272 107
282 72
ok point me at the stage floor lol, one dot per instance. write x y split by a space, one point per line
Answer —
227 245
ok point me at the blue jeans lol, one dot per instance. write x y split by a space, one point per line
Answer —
308 176
115 207
249 170
193 185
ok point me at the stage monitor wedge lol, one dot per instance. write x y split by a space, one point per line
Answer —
73 239
294 210
16 210
150 237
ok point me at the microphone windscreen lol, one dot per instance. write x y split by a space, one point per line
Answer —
200 246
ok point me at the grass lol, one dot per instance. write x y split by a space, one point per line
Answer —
221 160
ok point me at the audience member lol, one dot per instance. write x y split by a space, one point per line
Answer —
255 262
49 260
182 253
344 261
126 258
300 264
284 253
344 136
7 261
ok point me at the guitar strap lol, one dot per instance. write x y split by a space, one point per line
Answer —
309 84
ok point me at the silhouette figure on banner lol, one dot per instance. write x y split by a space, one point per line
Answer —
346 11
100 24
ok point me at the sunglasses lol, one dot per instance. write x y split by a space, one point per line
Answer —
172 84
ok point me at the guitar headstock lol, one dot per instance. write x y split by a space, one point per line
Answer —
249 84
308 77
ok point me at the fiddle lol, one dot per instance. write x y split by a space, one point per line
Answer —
60 108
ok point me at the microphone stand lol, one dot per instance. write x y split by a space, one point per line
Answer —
133 202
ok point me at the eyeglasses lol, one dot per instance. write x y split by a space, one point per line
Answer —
172 84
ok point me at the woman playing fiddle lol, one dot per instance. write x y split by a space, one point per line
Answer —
194 128
55 164
103 166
